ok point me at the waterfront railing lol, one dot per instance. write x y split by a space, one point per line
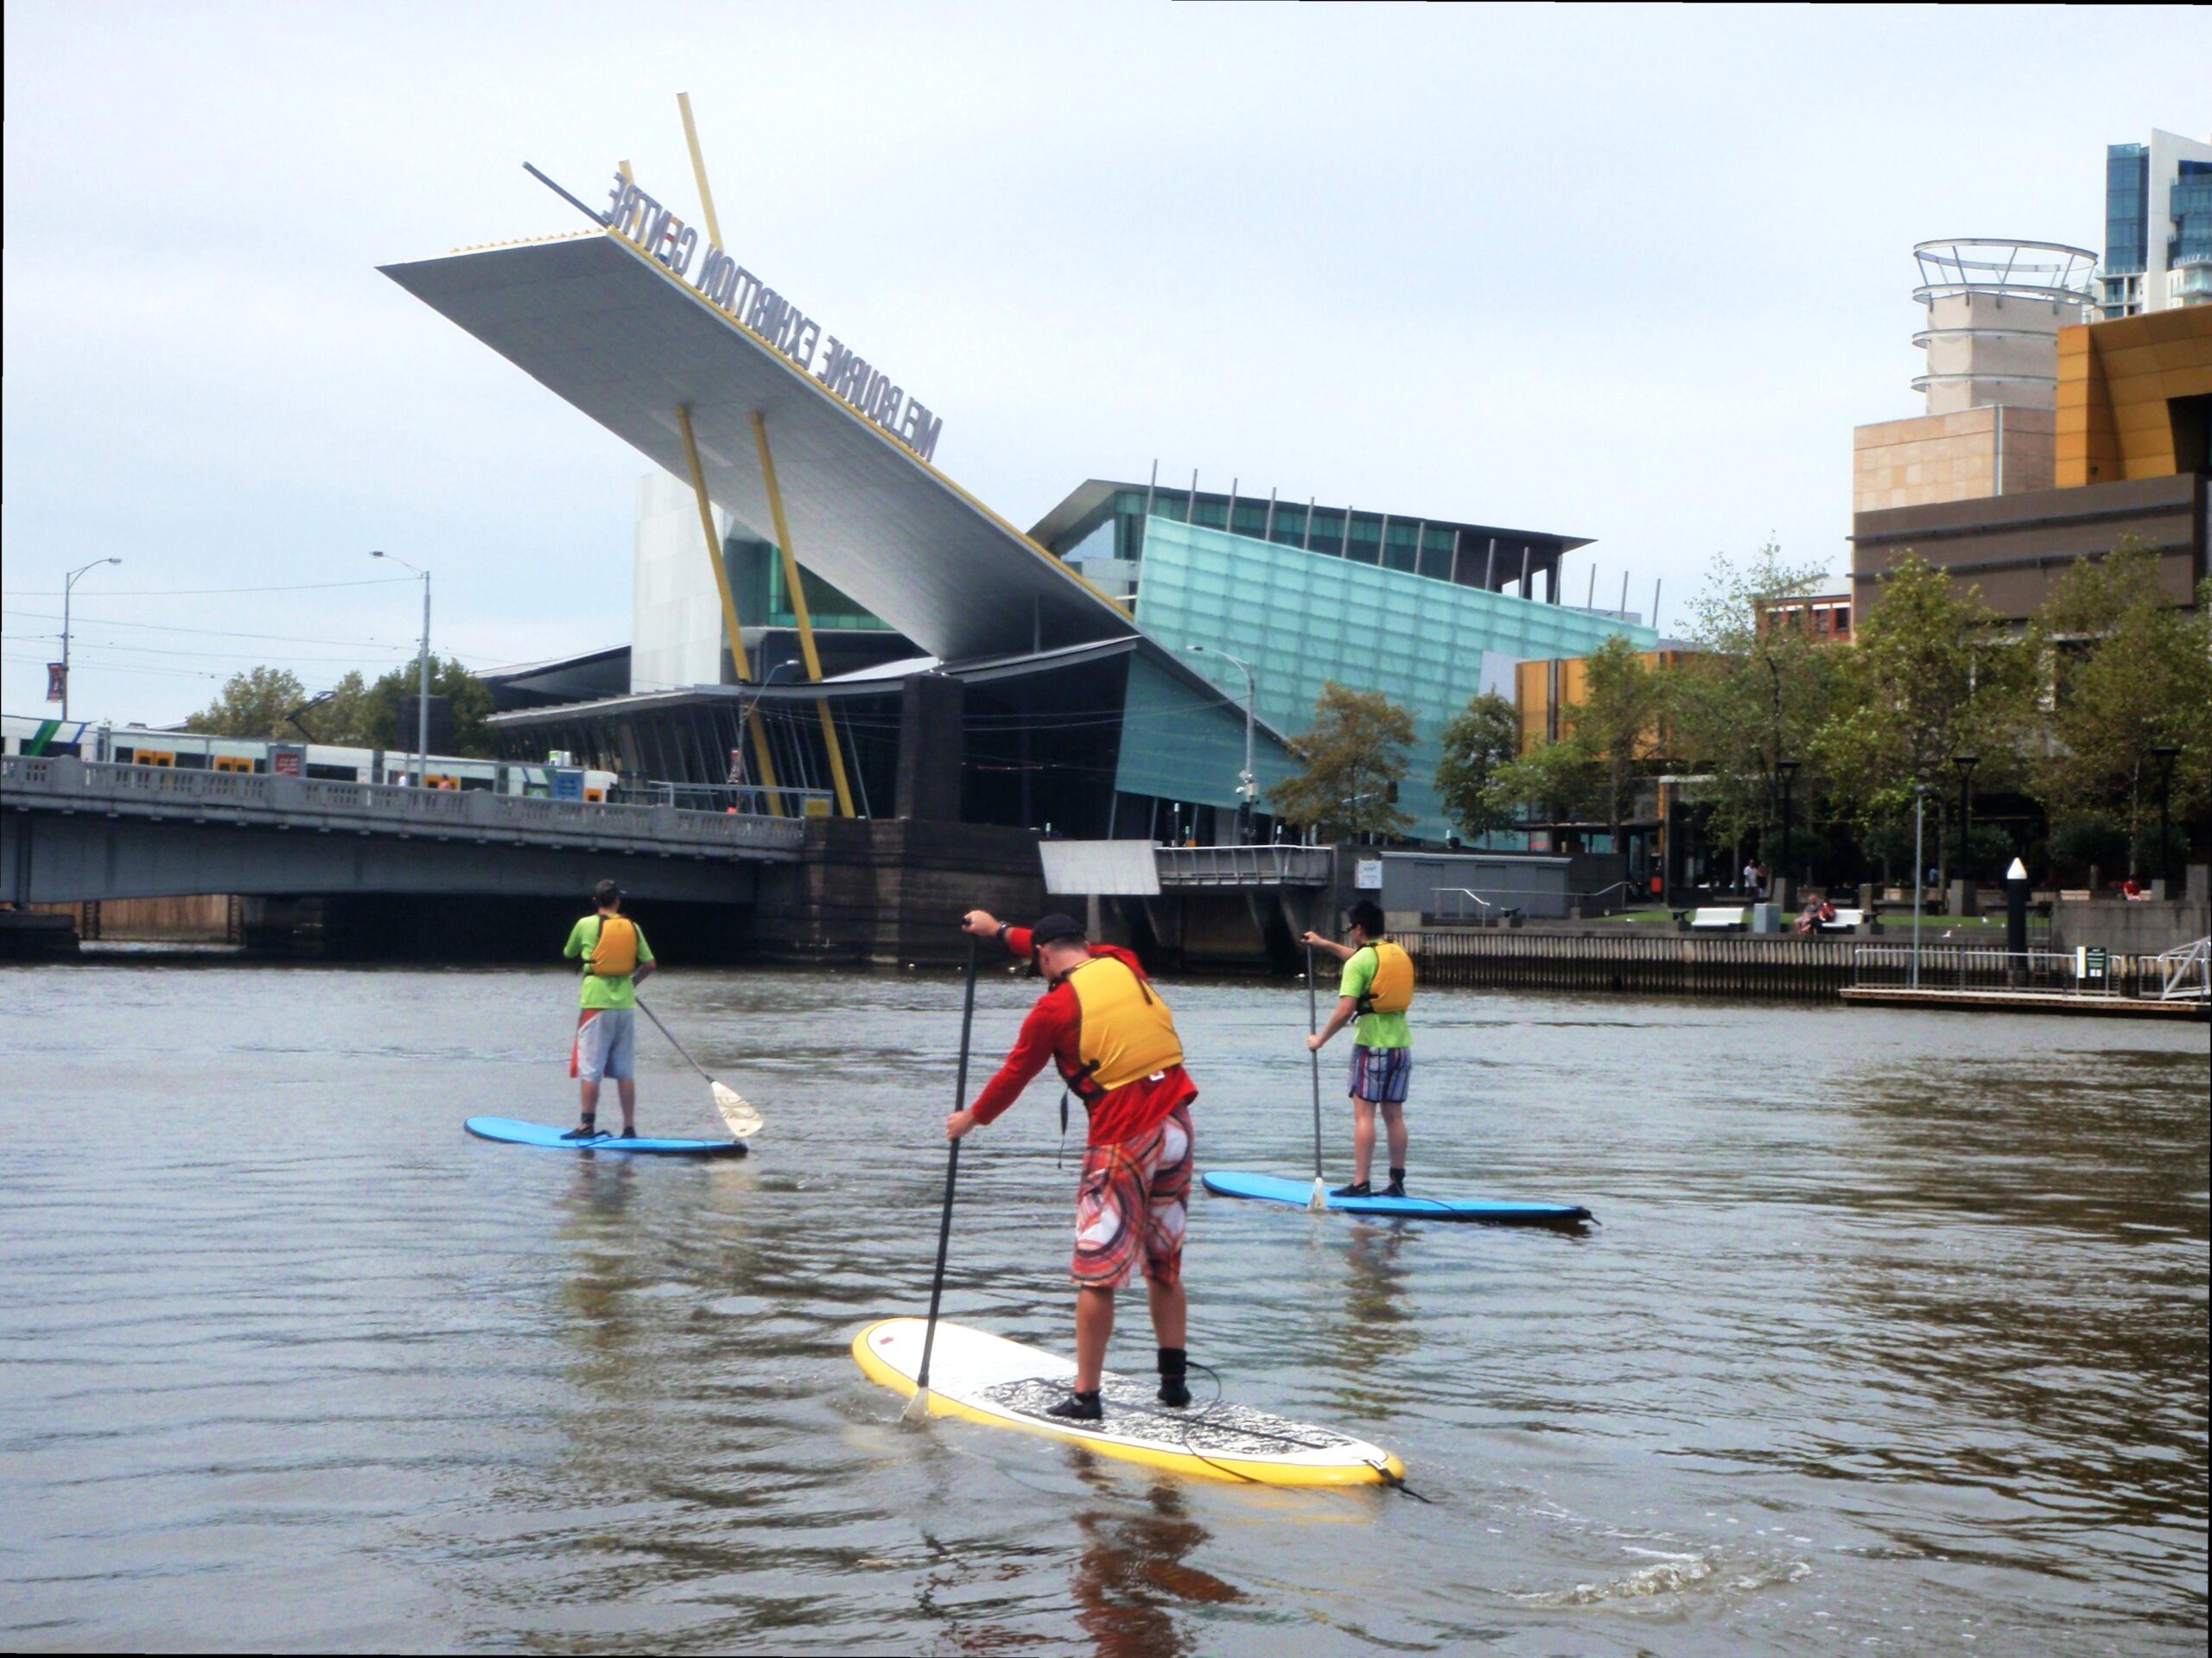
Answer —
257 799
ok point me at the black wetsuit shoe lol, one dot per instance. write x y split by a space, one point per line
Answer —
1174 1391
629 1132
1395 1189
1079 1407
582 1130
1356 1189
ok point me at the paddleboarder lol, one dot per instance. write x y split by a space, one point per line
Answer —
1375 988
616 960
1112 1040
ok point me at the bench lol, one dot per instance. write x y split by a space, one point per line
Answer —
1863 924
1708 919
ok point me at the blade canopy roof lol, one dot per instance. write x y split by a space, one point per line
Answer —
600 325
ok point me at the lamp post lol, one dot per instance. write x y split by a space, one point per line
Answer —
422 695
68 584
1247 786
1783 877
1966 763
1920 793
2165 754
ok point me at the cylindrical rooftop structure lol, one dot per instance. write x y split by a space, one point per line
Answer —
1995 306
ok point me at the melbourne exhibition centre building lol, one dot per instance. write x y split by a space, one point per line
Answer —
827 624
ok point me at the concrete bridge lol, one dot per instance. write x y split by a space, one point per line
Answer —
74 830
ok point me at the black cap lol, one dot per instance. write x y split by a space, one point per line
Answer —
1054 928
606 893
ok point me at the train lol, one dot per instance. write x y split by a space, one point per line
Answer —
190 751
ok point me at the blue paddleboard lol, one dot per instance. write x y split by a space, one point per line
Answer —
1296 1194
514 1133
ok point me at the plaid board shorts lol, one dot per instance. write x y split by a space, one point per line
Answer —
1380 1075
605 1045
1132 1205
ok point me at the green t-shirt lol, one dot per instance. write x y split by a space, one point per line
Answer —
598 991
1373 1030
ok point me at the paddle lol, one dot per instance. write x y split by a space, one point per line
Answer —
1318 1202
918 1406
742 1119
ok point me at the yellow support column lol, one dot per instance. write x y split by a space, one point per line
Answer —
699 169
799 611
729 606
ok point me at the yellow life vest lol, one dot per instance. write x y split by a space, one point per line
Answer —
613 955
1391 989
1126 1030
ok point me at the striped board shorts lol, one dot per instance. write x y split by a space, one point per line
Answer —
1380 1075
1131 1207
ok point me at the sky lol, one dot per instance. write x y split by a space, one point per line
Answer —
1632 275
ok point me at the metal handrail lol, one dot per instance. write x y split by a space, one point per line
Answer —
1242 866
2176 965
366 808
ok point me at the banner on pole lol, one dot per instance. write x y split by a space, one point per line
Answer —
57 682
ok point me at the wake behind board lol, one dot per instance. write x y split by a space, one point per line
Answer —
509 1131
1298 1194
985 1378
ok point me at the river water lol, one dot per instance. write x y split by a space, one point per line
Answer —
1892 1338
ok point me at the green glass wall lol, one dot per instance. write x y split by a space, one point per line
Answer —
1179 743
1397 544
1301 619
764 600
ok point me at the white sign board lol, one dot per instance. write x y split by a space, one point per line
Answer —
1088 868
1367 874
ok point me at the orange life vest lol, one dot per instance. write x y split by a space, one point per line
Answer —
1126 1030
1391 989
613 955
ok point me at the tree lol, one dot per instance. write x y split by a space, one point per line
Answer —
252 704
1931 674
355 713
1353 760
1558 782
1618 721
468 697
1480 738
338 716
1753 694
2130 671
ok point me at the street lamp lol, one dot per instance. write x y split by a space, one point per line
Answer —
1966 763
1788 770
422 695
67 584
1920 793
1247 786
2165 754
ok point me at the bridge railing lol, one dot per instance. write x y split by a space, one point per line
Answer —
69 785
1243 866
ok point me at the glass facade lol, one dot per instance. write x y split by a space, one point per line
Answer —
1303 618
1178 744
764 598
2191 246
2127 207
1374 538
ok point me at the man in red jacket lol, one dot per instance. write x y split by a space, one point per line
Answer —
1111 1037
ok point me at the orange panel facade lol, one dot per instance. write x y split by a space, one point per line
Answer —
2127 393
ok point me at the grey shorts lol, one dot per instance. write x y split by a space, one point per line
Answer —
607 1046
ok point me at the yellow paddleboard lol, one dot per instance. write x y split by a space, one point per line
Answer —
986 1378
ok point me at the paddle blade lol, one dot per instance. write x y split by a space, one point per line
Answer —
744 1121
917 1406
1318 1203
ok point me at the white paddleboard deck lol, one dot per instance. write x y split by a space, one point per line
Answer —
985 1378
